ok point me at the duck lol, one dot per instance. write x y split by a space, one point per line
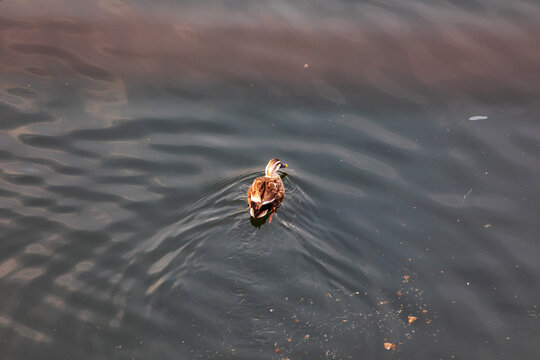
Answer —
267 192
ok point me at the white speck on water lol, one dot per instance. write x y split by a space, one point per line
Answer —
478 117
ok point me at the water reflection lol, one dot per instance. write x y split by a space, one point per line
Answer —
258 222
131 132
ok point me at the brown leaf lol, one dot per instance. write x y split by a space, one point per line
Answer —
389 346
399 293
412 319
406 278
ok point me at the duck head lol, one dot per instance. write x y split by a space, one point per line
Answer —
273 166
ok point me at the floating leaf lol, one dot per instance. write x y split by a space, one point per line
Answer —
412 319
478 117
389 346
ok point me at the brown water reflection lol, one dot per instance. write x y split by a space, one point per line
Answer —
400 55
131 131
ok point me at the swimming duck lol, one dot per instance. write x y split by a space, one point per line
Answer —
266 192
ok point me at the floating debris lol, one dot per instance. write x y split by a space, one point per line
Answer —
306 66
405 278
412 319
478 117
389 346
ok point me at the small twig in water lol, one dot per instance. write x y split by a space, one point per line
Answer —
467 194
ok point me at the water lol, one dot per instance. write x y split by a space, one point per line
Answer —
132 130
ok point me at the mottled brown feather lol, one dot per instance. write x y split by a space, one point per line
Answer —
266 188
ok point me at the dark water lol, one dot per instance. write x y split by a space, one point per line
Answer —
132 130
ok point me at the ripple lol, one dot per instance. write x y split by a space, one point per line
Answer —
125 162
23 330
489 202
377 132
77 63
55 143
82 194
7 267
56 166
37 71
140 128
65 26
125 230
22 92
27 274
8 23
328 92
38 202
26 180
13 119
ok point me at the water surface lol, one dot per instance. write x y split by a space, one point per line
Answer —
132 130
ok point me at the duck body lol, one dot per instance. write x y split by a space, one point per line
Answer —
267 192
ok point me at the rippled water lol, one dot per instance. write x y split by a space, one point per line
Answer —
132 130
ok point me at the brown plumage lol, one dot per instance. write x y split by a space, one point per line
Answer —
266 192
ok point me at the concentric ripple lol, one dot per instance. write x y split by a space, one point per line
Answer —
131 132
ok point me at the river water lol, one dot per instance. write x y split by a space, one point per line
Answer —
131 131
